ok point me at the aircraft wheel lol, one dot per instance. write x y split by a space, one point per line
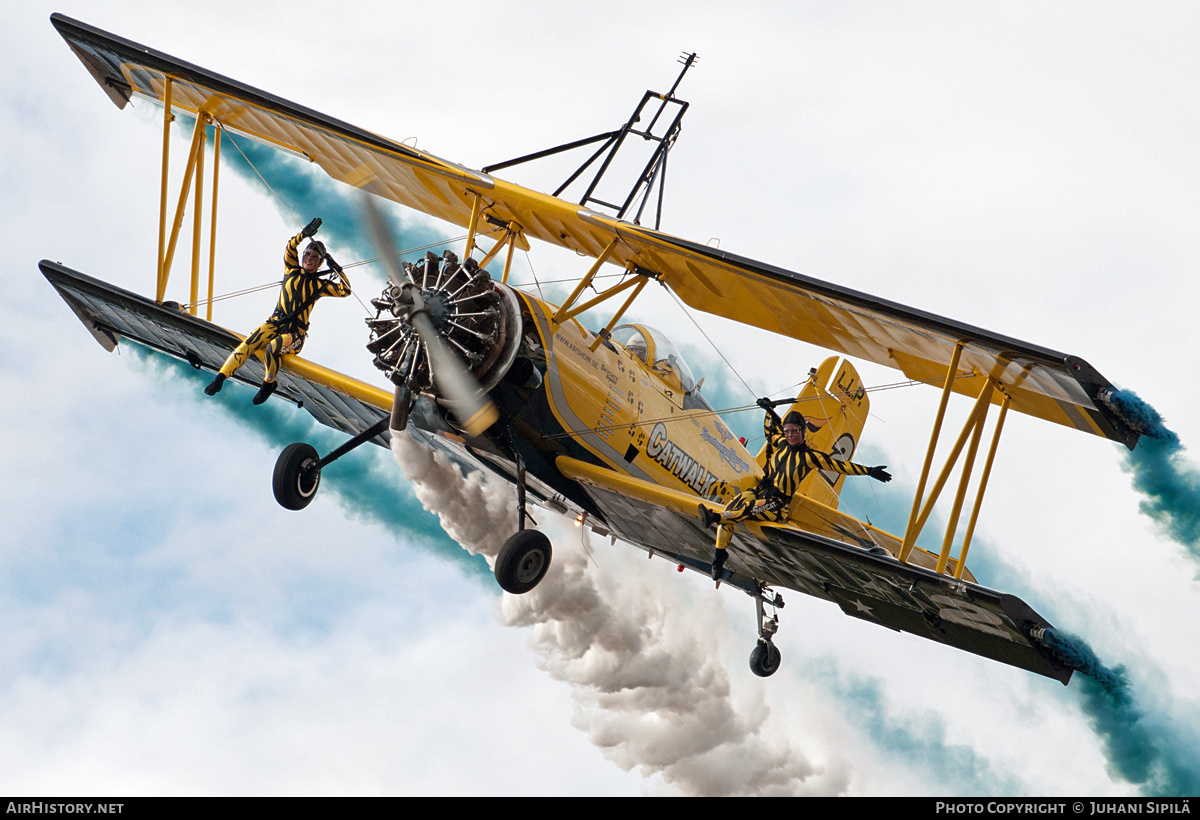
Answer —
297 476
765 659
523 561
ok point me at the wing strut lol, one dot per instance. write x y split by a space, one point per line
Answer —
972 428
570 309
193 174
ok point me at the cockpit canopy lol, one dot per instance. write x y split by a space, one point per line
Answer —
662 357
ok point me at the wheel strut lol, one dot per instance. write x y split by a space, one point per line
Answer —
520 491
765 659
767 627
362 438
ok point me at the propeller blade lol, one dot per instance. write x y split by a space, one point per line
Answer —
475 411
381 237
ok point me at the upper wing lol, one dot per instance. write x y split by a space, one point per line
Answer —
838 567
1040 382
347 153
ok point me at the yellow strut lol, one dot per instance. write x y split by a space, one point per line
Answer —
476 206
193 152
968 466
490 255
563 312
161 282
512 246
909 537
198 214
983 480
977 411
617 316
212 222
561 316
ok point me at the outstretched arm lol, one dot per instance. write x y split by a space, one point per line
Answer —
824 461
291 259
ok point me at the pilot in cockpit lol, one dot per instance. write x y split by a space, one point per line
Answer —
636 345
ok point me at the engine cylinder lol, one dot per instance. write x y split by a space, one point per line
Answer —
480 319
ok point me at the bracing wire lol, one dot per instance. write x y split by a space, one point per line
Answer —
278 198
688 313
529 262
233 295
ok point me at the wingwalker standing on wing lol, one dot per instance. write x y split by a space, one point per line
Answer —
788 461
284 332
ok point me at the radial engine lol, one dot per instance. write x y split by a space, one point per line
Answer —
479 319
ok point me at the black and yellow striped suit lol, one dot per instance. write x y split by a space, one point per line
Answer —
787 466
284 332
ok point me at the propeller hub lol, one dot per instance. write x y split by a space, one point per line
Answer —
440 309
464 308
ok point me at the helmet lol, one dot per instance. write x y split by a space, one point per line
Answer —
318 246
795 418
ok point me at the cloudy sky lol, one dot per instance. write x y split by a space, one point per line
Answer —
167 628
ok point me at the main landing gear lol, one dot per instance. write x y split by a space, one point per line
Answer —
297 476
523 560
298 468
765 658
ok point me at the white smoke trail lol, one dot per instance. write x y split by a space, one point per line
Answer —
478 512
649 688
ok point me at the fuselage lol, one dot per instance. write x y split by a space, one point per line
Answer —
630 409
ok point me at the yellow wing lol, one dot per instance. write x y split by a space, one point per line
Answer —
1039 382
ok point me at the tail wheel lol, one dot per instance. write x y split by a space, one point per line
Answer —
765 659
523 561
297 476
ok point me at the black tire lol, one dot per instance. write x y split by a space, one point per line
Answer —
297 476
765 659
523 561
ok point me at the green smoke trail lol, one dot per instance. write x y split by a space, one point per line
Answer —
300 194
1172 491
1147 738
919 740
1151 750
366 482
1169 485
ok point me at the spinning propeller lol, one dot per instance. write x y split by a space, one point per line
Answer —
473 408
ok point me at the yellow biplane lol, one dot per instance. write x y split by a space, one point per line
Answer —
610 426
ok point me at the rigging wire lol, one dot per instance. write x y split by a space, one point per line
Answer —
278 199
439 243
359 263
688 313
232 295
529 262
